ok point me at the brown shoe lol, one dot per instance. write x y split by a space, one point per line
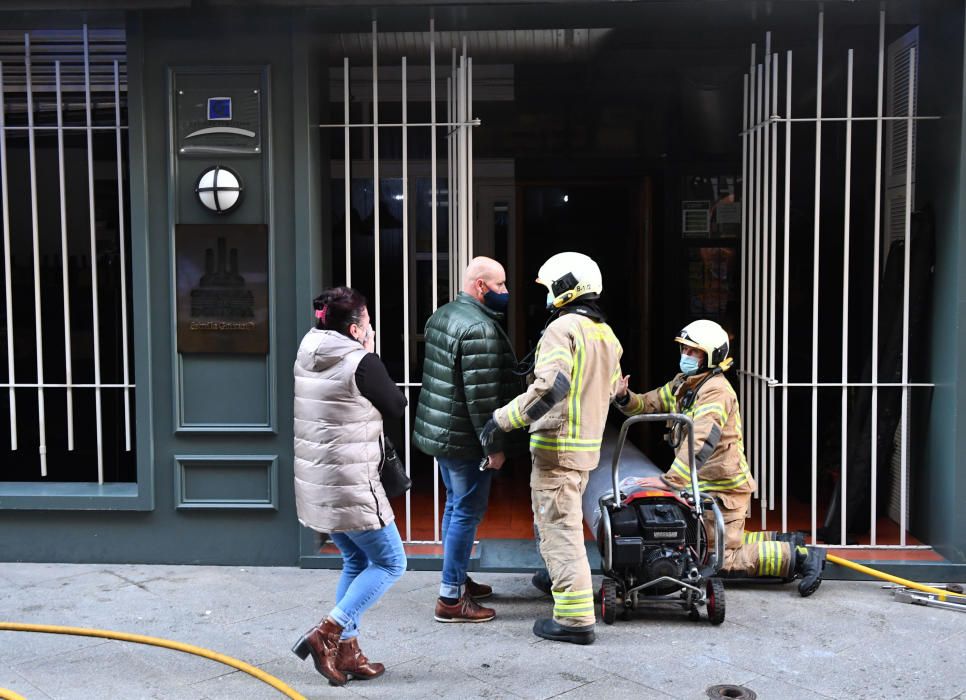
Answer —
322 642
464 610
354 664
477 591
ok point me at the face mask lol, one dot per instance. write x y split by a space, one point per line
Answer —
689 365
550 298
496 301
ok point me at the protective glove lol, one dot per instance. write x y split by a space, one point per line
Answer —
488 434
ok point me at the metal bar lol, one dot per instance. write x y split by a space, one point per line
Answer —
904 458
376 230
763 282
66 128
815 264
471 247
463 240
369 125
843 490
750 276
450 200
95 308
405 287
782 120
35 229
756 312
347 176
785 286
744 229
122 251
432 158
60 385
835 385
873 510
771 277
8 278
65 257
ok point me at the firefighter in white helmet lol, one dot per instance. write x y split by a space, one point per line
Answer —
702 392
576 373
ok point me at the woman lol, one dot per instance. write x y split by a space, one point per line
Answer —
342 394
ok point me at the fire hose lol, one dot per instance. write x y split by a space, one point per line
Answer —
153 641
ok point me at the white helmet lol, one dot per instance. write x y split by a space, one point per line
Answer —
708 336
569 276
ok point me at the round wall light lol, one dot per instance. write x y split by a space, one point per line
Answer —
219 189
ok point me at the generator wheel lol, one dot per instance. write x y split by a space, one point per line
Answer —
716 601
608 601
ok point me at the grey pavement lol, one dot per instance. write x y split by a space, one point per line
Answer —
849 640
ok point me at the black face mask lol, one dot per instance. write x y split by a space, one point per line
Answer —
497 301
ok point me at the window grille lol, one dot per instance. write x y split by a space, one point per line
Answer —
65 317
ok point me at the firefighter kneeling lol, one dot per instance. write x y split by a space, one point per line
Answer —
702 392
576 373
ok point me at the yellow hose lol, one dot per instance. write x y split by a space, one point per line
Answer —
154 641
6 694
895 579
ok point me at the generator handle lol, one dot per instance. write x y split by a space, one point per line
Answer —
657 418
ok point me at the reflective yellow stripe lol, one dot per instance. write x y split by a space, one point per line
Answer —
573 603
716 408
516 420
680 468
769 558
752 537
576 386
555 355
557 595
540 442
667 398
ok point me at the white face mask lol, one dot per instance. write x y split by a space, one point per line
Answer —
366 335
550 298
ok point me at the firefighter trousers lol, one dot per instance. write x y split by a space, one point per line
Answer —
764 558
556 494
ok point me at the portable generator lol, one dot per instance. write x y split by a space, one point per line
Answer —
653 542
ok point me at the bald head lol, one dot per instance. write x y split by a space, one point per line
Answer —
483 274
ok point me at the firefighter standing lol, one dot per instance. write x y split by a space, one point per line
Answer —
576 372
702 392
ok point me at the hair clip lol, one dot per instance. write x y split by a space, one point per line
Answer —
320 313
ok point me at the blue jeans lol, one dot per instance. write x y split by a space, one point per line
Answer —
467 495
372 560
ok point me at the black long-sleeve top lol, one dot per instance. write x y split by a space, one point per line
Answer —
375 384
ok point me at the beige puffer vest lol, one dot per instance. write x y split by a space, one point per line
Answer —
337 439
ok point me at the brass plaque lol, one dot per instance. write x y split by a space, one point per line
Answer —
222 287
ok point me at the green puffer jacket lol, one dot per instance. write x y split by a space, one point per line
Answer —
467 374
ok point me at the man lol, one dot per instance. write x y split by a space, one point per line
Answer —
702 392
467 373
576 371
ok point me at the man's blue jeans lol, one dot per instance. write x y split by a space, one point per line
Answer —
372 560
467 495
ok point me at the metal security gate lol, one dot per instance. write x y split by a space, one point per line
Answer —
63 166
378 195
769 160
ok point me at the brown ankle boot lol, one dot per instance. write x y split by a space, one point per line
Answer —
354 664
322 642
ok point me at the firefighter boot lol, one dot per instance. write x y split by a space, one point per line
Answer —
322 642
809 563
541 581
548 628
795 538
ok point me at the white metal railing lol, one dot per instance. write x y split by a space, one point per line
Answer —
72 50
761 377
459 175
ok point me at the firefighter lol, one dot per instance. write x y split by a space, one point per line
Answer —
702 392
575 376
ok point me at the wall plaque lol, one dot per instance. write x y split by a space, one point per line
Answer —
222 288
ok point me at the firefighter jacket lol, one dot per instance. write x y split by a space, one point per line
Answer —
575 377
719 450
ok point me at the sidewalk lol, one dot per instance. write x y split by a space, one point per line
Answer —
849 640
